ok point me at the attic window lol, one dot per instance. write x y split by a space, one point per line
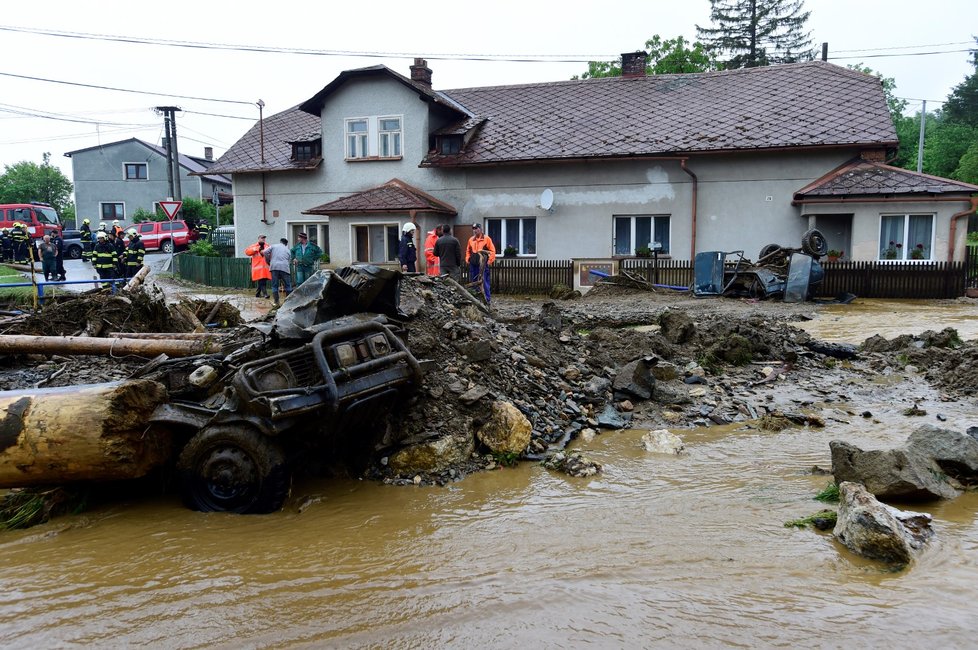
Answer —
307 150
449 144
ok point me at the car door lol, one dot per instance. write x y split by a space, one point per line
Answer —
147 232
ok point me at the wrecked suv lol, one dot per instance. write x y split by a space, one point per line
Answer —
266 408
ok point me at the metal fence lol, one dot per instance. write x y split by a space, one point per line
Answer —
223 240
538 277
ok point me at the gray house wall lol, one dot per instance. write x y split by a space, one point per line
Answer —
99 177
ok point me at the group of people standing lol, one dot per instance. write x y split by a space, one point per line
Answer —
15 244
443 254
113 252
274 264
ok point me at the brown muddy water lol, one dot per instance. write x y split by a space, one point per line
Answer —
855 322
658 551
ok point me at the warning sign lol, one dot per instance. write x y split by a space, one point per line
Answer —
171 208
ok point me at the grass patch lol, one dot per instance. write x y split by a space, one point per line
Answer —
506 458
830 494
30 507
823 520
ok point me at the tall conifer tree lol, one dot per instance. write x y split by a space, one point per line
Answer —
752 33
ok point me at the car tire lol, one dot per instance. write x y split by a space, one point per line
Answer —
226 468
767 250
167 246
74 252
813 243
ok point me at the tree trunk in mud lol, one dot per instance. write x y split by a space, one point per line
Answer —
26 344
137 279
91 433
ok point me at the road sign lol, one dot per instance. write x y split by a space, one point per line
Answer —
171 208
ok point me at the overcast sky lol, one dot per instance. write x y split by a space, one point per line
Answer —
567 33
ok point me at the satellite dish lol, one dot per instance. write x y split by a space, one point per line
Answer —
547 199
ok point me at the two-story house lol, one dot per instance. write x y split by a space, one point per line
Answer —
595 168
113 180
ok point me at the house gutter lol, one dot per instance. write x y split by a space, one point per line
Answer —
264 201
954 226
692 228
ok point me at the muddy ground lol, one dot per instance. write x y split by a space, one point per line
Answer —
560 362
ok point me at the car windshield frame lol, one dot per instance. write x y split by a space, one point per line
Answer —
47 215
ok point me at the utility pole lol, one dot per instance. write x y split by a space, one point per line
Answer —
172 152
920 142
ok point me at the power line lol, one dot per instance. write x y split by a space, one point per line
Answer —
904 47
124 90
60 117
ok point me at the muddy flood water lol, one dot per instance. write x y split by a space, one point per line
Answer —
684 551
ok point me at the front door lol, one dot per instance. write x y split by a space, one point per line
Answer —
837 230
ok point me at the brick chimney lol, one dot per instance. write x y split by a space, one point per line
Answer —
421 73
208 153
633 64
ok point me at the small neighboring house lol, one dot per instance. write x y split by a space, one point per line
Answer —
113 180
596 168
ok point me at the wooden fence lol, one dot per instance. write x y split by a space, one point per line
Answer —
538 277
234 272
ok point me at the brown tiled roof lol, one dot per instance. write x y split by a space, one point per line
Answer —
280 130
787 106
393 196
863 177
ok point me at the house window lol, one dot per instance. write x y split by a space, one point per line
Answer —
356 139
389 129
375 243
906 237
136 171
518 233
638 232
307 150
449 144
318 233
113 211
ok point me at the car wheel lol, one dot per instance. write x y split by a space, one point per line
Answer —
767 250
75 252
813 243
233 469
167 246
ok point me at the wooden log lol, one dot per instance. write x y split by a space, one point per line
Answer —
53 436
173 336
26 344
137 279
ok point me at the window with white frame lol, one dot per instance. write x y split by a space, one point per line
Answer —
375 243
356 139
519 233
389 137
112 211
318 233
136 171
906 237
374 137
633 233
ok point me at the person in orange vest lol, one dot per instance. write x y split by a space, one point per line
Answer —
260 271
480 253
431 260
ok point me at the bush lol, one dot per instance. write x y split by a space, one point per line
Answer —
203 249
142 214
324 258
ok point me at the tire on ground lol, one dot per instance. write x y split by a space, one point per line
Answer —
227 468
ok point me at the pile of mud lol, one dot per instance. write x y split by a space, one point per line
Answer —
946 361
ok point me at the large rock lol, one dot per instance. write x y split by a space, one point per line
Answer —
676 326
435 455
954 452
662 441
877 531
890 473
507 431
635 379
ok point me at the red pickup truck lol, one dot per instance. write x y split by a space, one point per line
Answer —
164 235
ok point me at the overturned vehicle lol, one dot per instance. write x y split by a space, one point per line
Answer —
301 389
791 273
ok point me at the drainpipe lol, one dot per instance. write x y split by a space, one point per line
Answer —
954 226
264 201
692 235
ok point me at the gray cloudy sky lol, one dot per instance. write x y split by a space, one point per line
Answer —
38 116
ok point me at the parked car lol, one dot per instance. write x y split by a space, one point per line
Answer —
72 244
164 235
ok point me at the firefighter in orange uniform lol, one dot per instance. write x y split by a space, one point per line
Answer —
479 255
431 260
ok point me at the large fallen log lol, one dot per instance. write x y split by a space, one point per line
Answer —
137 279
26 344
169 336
98 432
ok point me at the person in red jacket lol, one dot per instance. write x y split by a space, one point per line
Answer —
260 271
480 253
431 260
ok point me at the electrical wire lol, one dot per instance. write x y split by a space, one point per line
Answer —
125 90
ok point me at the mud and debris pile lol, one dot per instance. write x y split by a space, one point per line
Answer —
945 360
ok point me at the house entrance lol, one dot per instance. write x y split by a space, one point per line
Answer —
837 230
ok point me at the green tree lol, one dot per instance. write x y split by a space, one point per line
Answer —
894 103
756 33
196 210
27 181
962 104
967 170
670 56
226 215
